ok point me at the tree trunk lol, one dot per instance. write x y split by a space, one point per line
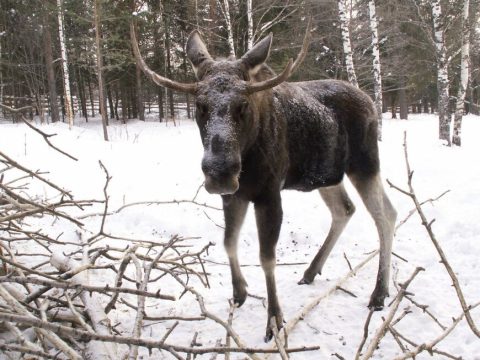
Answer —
402 99
347 46
393 105
81 94
101 87
377 74
462 89
160 103
110 100
249 25
52 86
226 14
90 94
442 73
140 105
169 66
66 76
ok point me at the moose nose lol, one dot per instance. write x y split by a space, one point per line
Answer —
221 174
219 166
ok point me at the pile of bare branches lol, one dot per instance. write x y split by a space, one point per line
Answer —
411 348
84 294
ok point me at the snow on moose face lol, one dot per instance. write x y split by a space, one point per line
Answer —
226 110
224 116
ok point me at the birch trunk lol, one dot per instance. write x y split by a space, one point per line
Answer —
464 74
250 25
66 75
347 46
442 73
377 74
101 88
226 13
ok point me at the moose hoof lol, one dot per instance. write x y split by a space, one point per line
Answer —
377 300
305 281
308 277
239 297
276 321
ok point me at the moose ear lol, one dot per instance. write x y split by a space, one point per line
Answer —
197 52
257 55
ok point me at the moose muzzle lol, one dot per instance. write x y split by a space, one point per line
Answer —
222 173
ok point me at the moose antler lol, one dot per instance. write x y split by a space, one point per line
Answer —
159 80
289 68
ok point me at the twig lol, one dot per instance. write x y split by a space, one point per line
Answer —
35 175
278 342
88 288
429 346
147 343
312 304
365 334
382 329
428 227
45 137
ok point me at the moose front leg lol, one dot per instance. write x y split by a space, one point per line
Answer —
268 213
234 210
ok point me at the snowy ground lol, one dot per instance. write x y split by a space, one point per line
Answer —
152 161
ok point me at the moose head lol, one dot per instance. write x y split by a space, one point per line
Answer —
228 95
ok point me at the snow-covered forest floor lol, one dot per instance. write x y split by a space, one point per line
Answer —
154 162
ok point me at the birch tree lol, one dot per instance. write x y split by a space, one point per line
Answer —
347 46
101 88
442 72
377 75
464 75
66 75
249 25
226 14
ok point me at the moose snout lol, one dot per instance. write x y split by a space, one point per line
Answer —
221 173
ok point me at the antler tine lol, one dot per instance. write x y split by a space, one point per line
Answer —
289 69
157 79
272 82
306 41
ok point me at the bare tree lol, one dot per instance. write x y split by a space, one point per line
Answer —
250 25
377 75
66 74
464 75
52 86
101 88
442 72
347 46
226 14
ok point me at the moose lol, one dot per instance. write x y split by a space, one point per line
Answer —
262 135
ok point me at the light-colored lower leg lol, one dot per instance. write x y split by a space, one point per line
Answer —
341 209
383 213
234 212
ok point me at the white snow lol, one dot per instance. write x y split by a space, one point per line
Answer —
152 161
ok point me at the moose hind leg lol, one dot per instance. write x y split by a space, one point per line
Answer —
341 209
268 212
384 214
234 210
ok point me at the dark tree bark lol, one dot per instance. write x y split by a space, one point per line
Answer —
140 99
169 66
52 86
402 99
101 88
